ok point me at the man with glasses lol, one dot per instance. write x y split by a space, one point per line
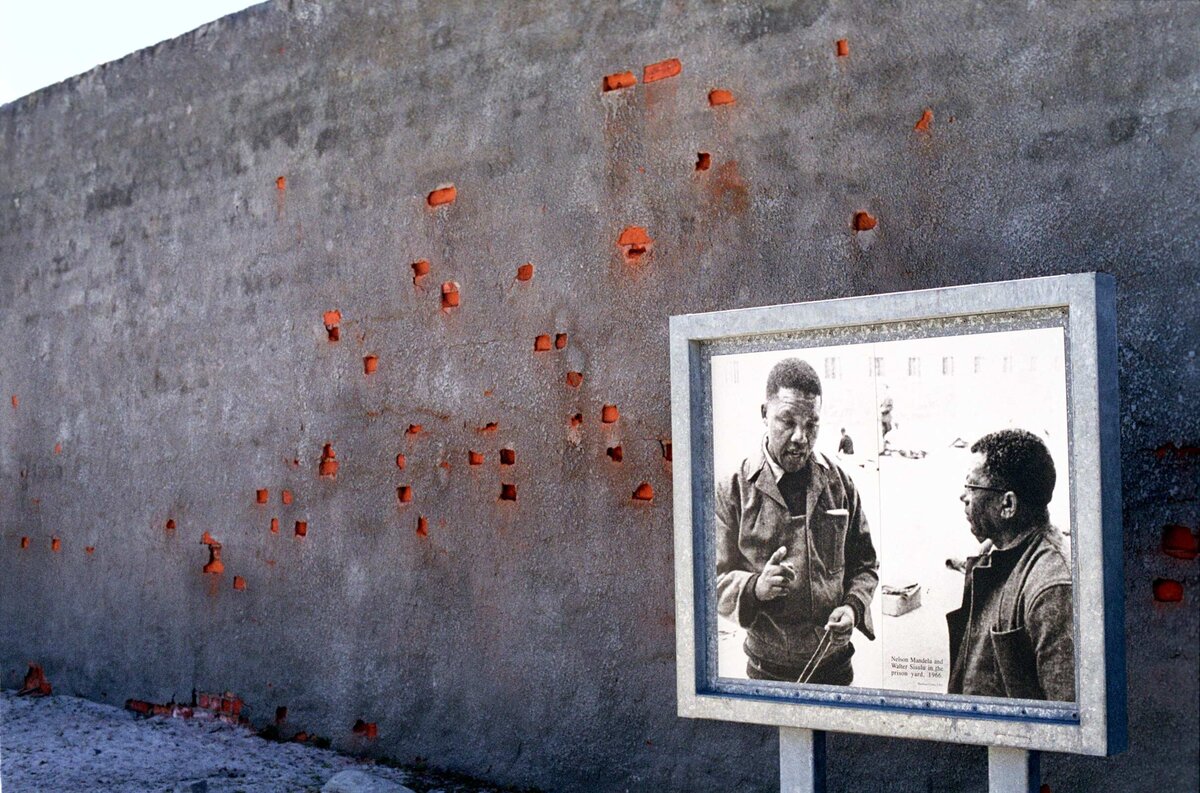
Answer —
795 563
1013 636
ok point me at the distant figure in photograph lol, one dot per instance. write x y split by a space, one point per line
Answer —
886 406
795 563
846 444
1013 635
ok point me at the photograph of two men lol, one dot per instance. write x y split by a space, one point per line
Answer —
896 515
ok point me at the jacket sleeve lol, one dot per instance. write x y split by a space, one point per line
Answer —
1048 620
861 574
735 576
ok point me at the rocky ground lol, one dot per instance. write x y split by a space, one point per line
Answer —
60 743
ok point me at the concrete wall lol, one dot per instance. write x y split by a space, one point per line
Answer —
174 226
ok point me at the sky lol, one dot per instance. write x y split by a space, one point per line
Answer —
43 42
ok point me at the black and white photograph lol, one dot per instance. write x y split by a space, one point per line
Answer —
895 515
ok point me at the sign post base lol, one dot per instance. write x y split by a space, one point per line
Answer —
1013 770
801 760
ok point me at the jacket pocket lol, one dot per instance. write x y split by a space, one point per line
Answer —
829 538
1016 663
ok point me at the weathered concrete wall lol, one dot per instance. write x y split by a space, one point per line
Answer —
174 226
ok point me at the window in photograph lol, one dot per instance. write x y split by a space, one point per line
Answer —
1007 365
878 369
978 364
914 367
948 365
831 368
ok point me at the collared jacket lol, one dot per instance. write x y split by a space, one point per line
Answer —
1014 634
829 547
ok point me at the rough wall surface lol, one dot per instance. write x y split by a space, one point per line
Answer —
175 226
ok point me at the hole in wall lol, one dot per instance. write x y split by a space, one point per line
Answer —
541 343
926 119
239 583
703 161
261 496
644 492
333 321
576 420
491 426
508 457
420 269
508 492
450 295
574 379
370 364
525 272
842 48
560 341
301 528
422 526
274 525
24 542
615 453
661 70
286 496
864 221
1179 542
609 414
720 96
281 714
55 544
1167 590
401 461
666 449
442 196
617 81
474 458
404 494
170 524
414 429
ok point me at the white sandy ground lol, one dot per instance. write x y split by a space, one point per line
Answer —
61 743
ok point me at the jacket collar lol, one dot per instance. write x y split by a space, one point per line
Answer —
765 473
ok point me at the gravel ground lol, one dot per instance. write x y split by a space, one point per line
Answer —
60 743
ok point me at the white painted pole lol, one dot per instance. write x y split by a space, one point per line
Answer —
1013 770
801 760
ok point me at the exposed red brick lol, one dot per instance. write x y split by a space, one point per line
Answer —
138 706
285 496
864 221
634 243
1168 590
450 295
281 183
36 683
615 453
444 464
24 542
301 528
170 524
333 320
329 464
661 70
366 729
560 341
508 492
15 402
1179 542
703 161
666 449
370 364
404 494
576 420
58 448
541 343
261 496
281 714
422 526
239 583
215 566
614 82
490 427
207 539
274 525
719 96
89 549
574 379
401 461
443 195
55 544
842 48
609 414
414 429
926 120
525 272
644 492
420 269
508 457
474 458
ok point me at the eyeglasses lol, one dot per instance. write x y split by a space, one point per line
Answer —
969 486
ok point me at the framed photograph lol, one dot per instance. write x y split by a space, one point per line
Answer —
900 515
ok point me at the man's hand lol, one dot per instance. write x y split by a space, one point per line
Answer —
774 579
840 625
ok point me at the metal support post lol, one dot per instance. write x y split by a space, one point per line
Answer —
1013 770
801 760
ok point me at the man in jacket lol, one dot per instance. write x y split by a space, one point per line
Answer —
1013 636
794 555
